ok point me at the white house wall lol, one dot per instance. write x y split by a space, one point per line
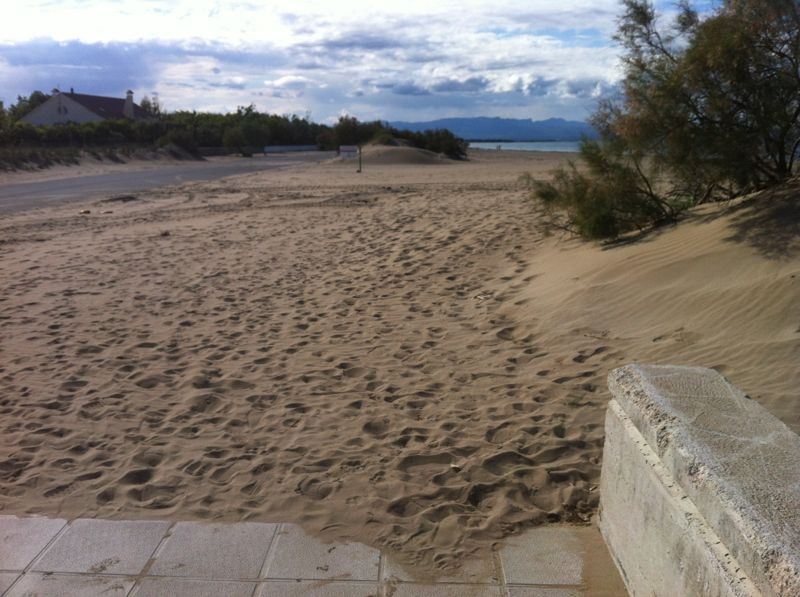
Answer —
60 109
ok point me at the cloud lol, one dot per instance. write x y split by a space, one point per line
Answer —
233 83
360 40
290 82
414 61
469 85
105 69
410 89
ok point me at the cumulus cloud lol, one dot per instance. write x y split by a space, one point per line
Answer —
290 82
468 85
414 61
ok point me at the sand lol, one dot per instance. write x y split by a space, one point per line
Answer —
399 357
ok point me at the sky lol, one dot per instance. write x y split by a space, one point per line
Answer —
411 60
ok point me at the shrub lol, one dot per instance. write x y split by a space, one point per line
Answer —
710 109
613 194
233 139
180 137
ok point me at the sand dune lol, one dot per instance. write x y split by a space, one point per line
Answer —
379 154
720 290
398 357
94 163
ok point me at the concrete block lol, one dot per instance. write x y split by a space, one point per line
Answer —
543 556
183 587
699 489
295 555
444 590
317 588
6 580
22 539
474 571
219 551
103 547
67 585
659 540
542 592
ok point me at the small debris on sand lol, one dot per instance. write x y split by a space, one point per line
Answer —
120 199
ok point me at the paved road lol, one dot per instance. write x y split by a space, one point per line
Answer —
15 197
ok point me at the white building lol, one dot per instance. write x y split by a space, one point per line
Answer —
62 108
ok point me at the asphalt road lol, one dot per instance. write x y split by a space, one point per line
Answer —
15 197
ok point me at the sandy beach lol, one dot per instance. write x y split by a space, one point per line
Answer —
400 357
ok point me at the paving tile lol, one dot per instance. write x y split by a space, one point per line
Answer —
542 592
295 555
103 547
220 551
21 539
443 590
600 575
474 571
6 580
543 556
68 585
317 588
182 587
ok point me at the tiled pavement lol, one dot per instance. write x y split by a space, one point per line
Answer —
85 557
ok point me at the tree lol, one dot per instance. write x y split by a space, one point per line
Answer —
718 98
233 138
26 104
710 109
151 107
347 131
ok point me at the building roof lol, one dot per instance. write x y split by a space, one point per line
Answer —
107 107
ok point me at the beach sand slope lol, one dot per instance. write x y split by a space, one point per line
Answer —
399 357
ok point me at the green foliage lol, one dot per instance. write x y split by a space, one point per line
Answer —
189 130
710 109
243 132
26 104
577 204
180 137
717 101
151 107
439 141
349 131
610 195
234 139
23 133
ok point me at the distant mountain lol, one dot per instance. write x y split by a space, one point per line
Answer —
506 129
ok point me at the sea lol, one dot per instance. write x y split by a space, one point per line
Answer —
565 146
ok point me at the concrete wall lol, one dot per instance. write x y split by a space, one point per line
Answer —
700 488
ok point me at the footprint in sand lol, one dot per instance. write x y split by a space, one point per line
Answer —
417 462
506 462
506 333
137 477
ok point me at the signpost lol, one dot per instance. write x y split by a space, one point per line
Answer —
351 152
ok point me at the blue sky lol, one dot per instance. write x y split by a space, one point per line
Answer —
410 60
